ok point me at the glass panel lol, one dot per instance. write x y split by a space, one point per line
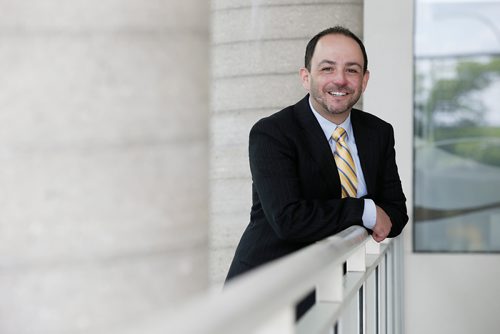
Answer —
457 126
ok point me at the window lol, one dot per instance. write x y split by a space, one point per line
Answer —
457 126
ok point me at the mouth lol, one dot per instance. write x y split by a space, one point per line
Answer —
337 93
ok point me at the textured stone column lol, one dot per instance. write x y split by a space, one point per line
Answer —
258 48
103 161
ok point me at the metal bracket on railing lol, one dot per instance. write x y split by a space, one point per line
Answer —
357 261
329 287
372 247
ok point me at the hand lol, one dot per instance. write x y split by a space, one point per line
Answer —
382 226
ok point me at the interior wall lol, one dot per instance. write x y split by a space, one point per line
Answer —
103 161
444 293
257 50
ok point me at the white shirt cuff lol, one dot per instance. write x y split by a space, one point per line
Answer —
369 214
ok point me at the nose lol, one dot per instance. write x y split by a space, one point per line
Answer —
339 78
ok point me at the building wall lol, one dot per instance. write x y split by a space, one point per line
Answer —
257 50
103 161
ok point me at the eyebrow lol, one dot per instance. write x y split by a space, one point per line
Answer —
327 62
330 62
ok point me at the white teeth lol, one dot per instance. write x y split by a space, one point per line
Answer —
338 94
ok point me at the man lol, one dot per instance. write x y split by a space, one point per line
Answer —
321 166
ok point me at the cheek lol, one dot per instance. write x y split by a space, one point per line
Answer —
358 83
319 84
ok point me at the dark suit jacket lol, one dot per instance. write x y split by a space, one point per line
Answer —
296 186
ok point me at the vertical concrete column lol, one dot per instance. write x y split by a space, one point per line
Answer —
103 161
257 49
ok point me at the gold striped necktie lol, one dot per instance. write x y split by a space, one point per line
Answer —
345 164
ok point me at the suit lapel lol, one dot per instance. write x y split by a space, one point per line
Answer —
366 146
319 148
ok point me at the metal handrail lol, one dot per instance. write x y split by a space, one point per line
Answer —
267 293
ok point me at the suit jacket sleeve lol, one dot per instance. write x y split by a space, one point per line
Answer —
389 194
289 191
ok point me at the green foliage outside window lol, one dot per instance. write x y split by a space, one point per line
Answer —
456 99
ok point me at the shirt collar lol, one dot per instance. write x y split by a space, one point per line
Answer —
328 127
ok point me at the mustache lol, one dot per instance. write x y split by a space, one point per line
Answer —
342 89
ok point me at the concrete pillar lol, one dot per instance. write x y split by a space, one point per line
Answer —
103 161
258 48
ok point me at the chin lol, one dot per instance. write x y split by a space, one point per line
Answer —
338 112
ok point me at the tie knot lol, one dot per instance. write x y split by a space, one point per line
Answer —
339 134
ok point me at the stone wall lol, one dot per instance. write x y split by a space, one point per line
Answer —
257 50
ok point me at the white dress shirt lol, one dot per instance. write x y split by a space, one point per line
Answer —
369 212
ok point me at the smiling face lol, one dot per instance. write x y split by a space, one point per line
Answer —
337 77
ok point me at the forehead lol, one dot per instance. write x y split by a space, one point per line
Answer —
338 48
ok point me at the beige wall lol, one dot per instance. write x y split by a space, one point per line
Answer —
388 39
258 48
104 158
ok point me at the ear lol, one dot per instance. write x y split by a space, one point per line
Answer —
304 75
366 76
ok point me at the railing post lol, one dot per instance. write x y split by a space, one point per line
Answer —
372 292
371 304
390 292
352 319
382 296
398 250
349 321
